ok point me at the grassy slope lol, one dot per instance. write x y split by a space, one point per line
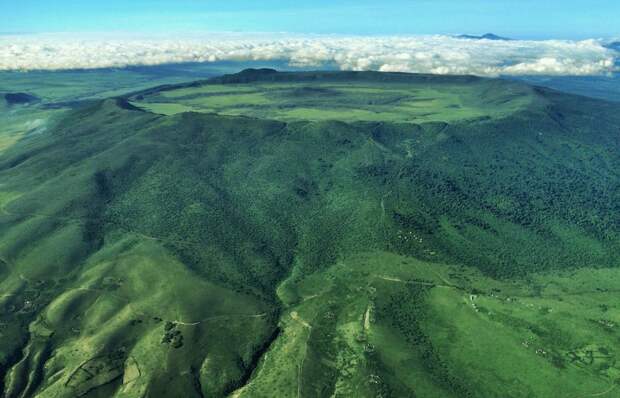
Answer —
63 86
345 97
193 254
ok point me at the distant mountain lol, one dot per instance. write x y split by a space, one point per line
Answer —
487 36
613 46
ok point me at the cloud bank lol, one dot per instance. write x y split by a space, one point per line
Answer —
422 54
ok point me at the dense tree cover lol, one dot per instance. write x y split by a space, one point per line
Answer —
240 204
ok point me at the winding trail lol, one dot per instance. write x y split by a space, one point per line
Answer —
398 280
367 318
598 394
214 318
297 318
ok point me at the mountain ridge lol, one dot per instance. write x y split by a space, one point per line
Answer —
201 254
486 36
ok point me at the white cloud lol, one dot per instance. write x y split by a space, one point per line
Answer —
423 54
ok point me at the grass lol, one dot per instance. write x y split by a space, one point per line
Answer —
201 91
469 336
129 305
166 108
18 122
355 101
67 86
204 254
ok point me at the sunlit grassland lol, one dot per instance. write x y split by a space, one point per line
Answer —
205 90
20 121
356 101
442 330
169 108
121 303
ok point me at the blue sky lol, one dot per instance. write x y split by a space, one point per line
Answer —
541 19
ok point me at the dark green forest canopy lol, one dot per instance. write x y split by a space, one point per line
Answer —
509 195
215 213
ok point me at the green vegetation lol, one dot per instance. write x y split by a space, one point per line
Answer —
344 100
17 121
383 324
65 87
350 249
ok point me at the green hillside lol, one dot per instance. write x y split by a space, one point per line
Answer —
347 97
314 235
